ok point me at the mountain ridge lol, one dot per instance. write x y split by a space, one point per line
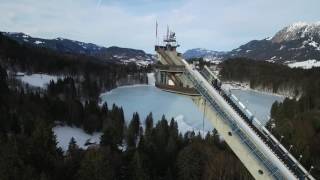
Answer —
294 43
62 45
208 55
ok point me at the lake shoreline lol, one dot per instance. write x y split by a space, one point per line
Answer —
232 85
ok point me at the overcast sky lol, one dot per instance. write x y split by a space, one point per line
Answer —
212 24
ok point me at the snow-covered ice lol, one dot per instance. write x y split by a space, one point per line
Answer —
308 64
282 47
235 85
271 61
151 79
38 42
184 127
170 82
315 45
38 80
65 133
269 38
20 74
146 99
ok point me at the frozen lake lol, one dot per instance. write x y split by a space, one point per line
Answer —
257 102
147 98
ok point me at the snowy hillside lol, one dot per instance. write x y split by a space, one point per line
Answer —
297 31
57 44
208 55
305 64
111 54
297 42
37 80
65 133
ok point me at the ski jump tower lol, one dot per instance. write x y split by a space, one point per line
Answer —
260 152
169 75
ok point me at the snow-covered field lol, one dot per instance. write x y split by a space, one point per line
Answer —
140 61
37 80
151 79
65 133
305 64
38 42
235 85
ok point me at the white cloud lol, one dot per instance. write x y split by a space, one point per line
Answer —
80 20
213 24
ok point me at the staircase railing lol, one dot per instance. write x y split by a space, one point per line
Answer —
236 129
274 145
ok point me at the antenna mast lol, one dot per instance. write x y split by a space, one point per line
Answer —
156 32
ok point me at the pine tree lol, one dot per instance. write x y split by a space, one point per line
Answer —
138 168
133 131
44 151
72 147
96 166
149 124
111 137
189 164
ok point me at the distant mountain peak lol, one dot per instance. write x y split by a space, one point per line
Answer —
206 54
297 42
60 39
296 31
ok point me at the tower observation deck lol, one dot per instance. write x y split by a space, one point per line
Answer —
260 152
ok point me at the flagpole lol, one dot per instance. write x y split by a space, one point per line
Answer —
156 32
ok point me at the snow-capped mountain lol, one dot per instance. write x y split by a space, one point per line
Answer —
126 55
297 42
208 55
297 31
116 54
58 44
